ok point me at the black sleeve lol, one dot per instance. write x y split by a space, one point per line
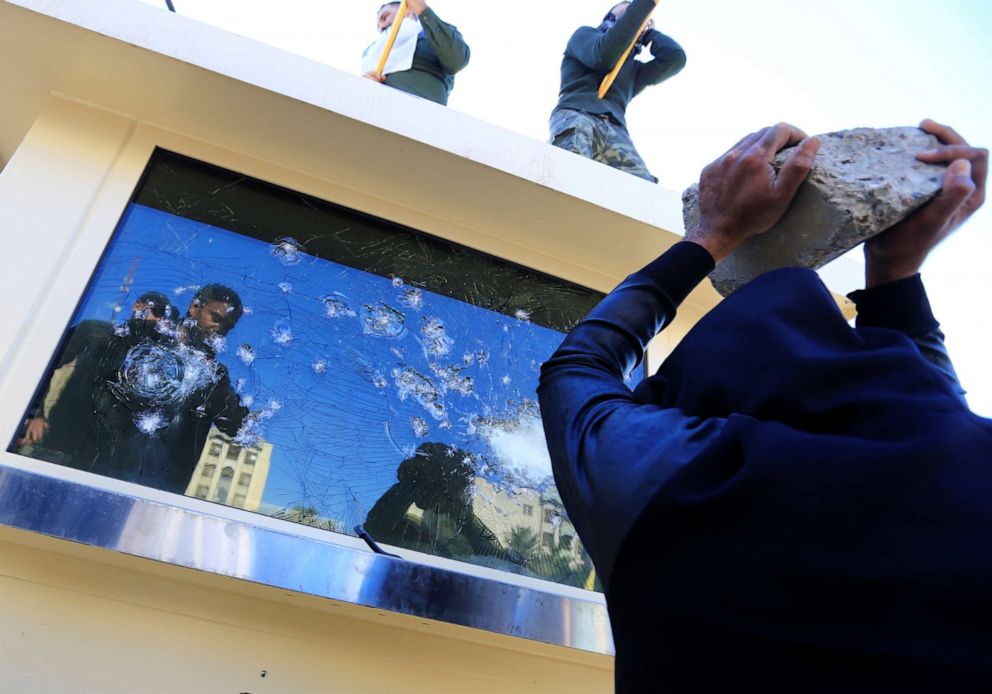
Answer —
224 406
88 340
602 50
669 59
903 306
446 40
610 452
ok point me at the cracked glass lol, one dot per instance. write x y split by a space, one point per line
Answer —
259 348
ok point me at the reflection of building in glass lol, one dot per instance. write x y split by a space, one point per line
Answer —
231 474
530 523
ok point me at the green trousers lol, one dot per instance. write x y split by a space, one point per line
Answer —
596 136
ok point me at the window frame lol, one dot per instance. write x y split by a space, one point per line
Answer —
584 610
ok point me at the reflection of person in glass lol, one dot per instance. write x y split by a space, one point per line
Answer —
151 306
430 508
597 128
141 396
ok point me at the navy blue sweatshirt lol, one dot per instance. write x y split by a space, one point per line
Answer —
789 501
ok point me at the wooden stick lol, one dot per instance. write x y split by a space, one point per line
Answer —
612 75
393 33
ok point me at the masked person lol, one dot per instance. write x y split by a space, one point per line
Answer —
790 499
425 57
141 397
597 128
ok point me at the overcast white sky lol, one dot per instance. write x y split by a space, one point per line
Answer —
823 66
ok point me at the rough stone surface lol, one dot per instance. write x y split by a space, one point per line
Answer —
863 181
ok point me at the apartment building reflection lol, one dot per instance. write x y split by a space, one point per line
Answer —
526 520
231 474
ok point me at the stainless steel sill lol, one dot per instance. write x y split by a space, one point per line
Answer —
140 527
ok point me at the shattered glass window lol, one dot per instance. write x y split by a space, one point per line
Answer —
259 348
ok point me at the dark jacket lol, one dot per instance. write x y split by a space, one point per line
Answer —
789 501
592 53
441 52
152 435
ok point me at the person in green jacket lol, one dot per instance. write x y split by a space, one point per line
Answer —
426 56
596 128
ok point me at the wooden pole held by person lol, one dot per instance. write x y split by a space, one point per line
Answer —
393 33
612 75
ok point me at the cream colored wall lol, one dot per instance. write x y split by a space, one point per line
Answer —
687 316
47 194
86 621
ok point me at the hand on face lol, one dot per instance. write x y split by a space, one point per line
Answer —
899 252
740 194
644 38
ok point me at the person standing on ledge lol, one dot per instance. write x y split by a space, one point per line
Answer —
425 57
790 500
597 128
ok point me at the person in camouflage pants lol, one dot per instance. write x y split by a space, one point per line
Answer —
596 136
597 128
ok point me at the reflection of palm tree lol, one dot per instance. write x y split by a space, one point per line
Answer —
559 565
307 515
523 541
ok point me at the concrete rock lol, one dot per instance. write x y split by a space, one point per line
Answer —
863 181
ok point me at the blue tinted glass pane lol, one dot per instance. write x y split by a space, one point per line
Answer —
250 346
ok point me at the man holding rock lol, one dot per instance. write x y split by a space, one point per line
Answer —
425 57
790 500
597 128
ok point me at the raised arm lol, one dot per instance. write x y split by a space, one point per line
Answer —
607 456
894 296
668 61
445 39
599 50
610 451
903 305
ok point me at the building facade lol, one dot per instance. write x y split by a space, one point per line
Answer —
390 321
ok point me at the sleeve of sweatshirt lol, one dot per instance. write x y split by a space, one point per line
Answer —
610 453
903 305
87 340
668 61
601 50
224 405
446 40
